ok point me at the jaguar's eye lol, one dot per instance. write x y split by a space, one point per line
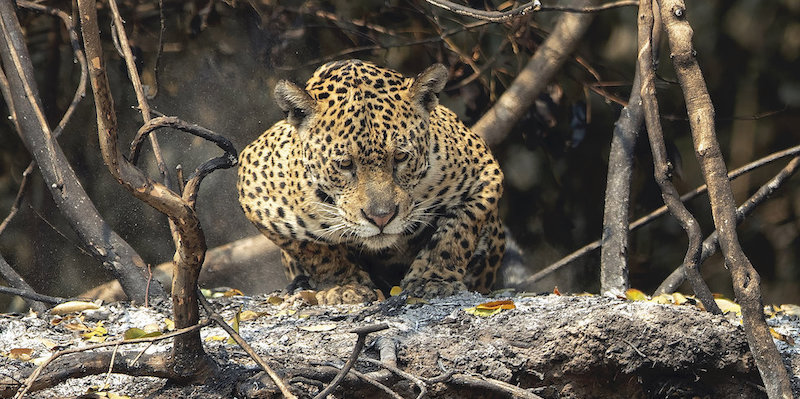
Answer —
400 156
346 164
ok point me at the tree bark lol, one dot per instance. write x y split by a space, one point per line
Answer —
614 241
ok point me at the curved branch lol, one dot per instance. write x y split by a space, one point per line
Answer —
190 360
498 121
227 160
69 196
491 16
533 6
746 281
657 213
710 245
662 167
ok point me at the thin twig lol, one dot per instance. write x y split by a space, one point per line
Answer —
80 91
655 214
213 315
422 385
23 185
141 98
710 244
662 167
491 16
357 348
154 92
32 378
533 6
28 293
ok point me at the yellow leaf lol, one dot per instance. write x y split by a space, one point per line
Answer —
781 337
274 300
319 327
635 295
663 299
726 305
395 291
97 339
235 325
97 334
678 298
170 324
23 354
250 315
73 307
216 338
483 312
504 304
233 292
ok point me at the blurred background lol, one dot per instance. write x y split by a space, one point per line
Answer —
222 58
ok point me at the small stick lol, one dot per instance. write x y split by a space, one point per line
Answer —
423 390
362 336
32 378
661 211
213 315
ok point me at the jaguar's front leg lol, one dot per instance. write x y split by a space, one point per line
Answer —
331 271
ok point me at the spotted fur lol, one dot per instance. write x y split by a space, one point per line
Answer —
370 183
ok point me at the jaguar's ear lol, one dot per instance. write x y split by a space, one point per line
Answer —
427 85
294 101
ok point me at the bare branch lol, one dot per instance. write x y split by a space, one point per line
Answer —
105 245
190 360
746 281
614 253
657 213
491 16
360 341
662 167
498 121
80 91
527 8
213 315
710 244
159 369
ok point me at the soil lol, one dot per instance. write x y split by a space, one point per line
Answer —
551 346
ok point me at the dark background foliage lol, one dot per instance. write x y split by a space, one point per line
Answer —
221 60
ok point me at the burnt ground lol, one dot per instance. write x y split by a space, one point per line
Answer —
551 346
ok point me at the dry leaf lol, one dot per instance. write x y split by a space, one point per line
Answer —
275 300
395 291
556 291
726 305
504 304
319 327
23 354
635 295
233 292
250 315
73 307
781 337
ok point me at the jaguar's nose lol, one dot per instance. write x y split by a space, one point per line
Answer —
379 216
